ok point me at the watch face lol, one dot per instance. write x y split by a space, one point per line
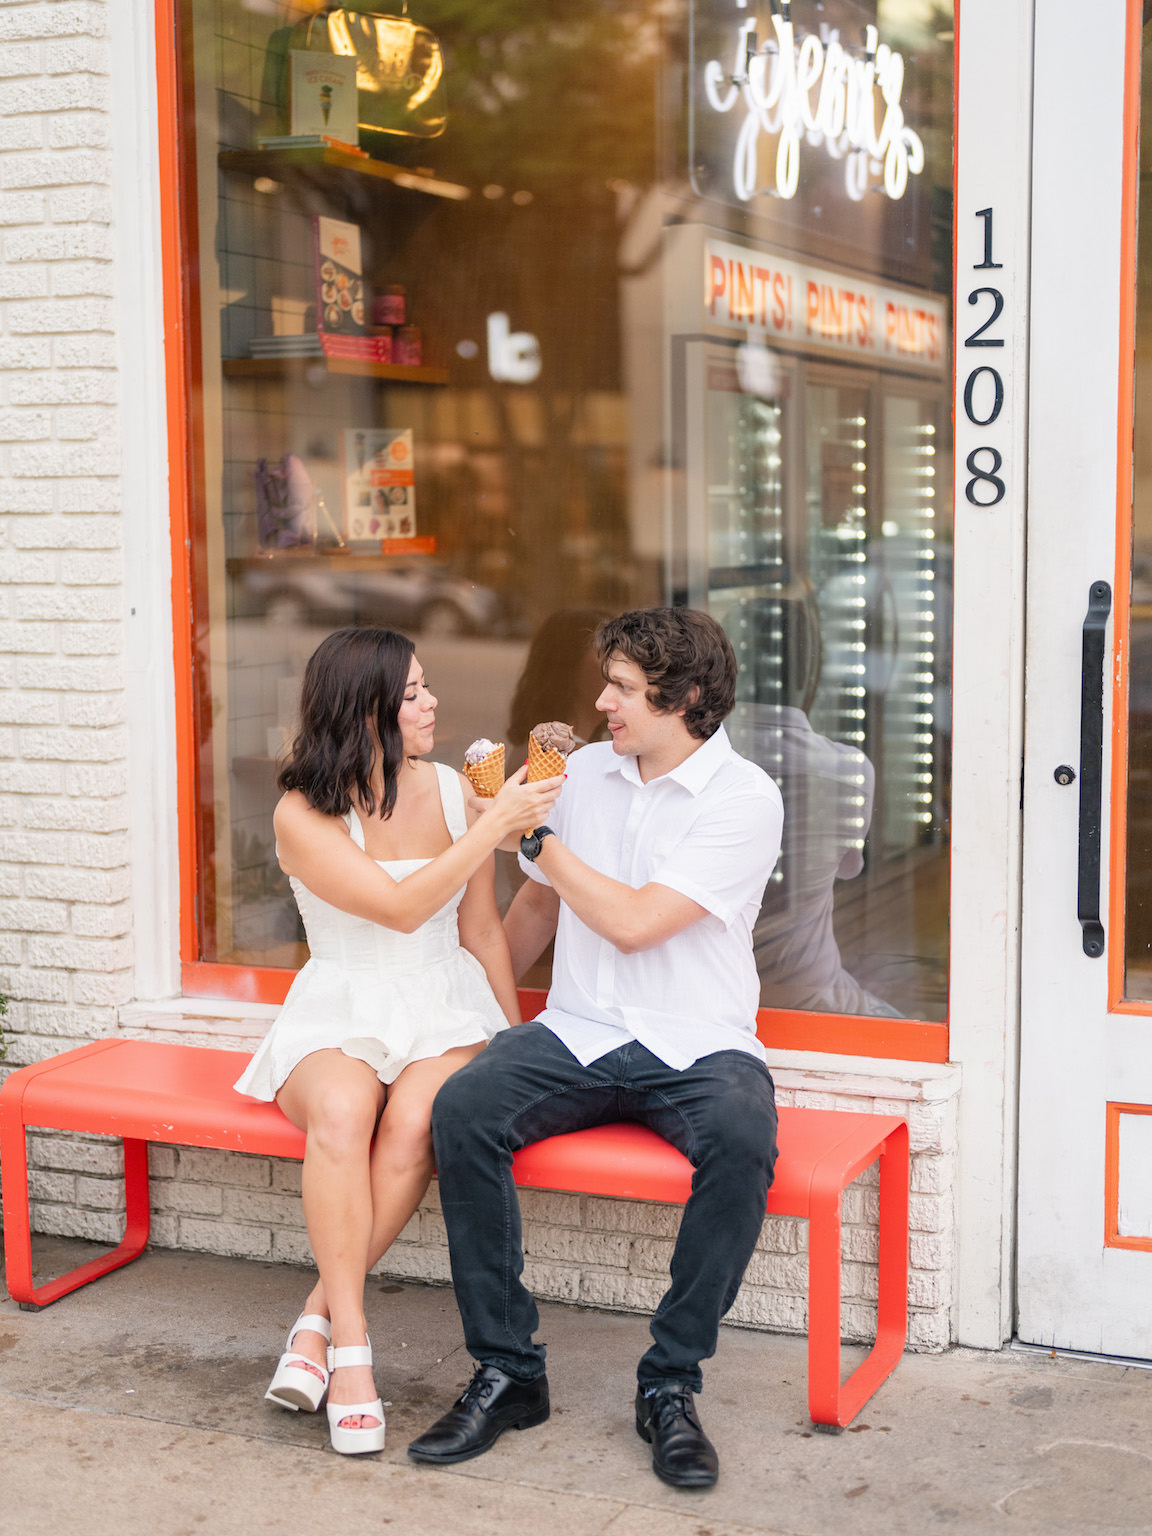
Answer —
532 842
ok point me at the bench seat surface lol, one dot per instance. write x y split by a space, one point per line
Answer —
153 1091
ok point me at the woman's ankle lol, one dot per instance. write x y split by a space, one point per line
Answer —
349 1333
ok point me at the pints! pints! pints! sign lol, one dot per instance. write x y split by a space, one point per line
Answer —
791 303
817 92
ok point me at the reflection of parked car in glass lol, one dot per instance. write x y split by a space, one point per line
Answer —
416 593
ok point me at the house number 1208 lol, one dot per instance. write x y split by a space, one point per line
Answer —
984 388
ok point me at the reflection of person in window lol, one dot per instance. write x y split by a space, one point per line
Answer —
828 789
561 680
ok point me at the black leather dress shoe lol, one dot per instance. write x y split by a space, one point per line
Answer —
682 1453
490 1404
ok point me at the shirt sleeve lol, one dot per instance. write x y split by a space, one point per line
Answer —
725 857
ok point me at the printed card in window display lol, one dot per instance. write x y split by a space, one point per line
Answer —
380 485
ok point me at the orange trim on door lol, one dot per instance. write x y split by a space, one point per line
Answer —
1112 1236
1121 587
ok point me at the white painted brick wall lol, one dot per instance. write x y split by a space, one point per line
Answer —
65 951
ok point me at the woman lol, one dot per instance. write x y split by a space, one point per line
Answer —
409 977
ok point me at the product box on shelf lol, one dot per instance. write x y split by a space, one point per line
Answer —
339 278
323 96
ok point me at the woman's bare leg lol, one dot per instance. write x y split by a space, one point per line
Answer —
336 1101
401 1165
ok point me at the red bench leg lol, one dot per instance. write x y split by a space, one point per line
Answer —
18 1230
831 1402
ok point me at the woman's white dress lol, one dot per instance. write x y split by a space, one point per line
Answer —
384 997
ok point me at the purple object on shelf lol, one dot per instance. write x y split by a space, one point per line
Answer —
285 503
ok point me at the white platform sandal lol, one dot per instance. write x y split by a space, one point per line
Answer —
300 1382
349 1441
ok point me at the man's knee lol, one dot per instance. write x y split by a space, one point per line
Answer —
740 1122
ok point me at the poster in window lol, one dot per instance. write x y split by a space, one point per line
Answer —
379 484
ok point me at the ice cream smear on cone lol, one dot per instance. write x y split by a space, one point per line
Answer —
484 767
548 747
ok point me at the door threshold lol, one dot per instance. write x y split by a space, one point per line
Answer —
1079 1354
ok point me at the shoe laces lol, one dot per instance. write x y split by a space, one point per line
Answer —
477 1390
672 1403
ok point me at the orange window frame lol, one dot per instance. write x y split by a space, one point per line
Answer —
891 1039
1121 605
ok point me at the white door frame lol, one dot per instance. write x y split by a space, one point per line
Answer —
993 140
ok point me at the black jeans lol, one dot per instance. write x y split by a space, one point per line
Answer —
720 1112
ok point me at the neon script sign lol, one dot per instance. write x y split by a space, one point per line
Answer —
821 93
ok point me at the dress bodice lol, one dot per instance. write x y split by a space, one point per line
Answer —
355 943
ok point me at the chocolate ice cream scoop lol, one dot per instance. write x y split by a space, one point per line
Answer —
554 736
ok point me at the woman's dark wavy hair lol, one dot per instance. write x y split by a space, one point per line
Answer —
686 657
353 676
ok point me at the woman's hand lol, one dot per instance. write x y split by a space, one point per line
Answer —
519 806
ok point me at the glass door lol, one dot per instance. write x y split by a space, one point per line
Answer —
1085 1200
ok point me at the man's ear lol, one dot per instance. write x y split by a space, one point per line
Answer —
691 701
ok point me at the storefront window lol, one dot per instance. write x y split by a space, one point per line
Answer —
506 318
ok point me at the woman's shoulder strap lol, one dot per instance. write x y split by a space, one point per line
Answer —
355 827
452 799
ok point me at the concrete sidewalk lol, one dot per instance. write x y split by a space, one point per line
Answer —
135 1405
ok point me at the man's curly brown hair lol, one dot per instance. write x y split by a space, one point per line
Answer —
686 657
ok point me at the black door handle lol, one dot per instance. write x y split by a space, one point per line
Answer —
1091 767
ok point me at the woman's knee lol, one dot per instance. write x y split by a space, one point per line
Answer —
404 1139
342 1118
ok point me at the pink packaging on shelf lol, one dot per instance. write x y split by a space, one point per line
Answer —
408 349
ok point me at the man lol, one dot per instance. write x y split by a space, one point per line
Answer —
650 882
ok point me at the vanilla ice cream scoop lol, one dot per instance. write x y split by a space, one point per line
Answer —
479 750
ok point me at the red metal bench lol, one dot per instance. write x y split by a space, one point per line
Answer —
144 1091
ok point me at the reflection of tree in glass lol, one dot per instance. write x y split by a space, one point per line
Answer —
553 127
553 94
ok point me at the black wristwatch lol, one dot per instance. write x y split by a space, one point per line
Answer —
532 842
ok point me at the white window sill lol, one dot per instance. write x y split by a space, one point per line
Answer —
224 1023
229 1023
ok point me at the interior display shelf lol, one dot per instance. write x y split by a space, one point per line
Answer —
261 162
296 367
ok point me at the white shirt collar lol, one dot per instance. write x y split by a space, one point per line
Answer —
692 774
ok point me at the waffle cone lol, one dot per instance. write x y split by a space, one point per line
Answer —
542 765
487 776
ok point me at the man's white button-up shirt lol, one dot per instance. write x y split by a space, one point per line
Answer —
710 829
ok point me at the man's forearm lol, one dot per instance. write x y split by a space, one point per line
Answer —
628 918
530 925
